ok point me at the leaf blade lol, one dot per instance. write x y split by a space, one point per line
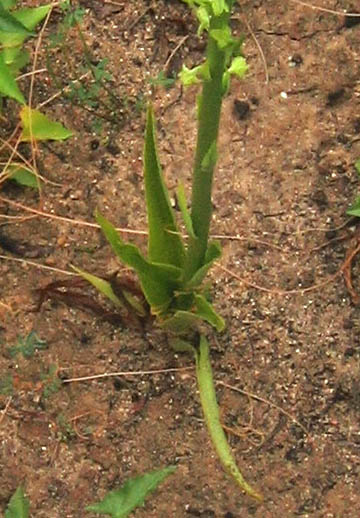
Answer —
119 503
165 244
9 24
18 505
158 281
37 126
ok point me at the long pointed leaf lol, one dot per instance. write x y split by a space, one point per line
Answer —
180 192
101 285
165 244
158 281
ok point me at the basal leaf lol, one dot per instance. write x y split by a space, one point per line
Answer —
212 417
165 243
22 176
101 285
18 506
39 127
158 281
9 23
8 85
120 503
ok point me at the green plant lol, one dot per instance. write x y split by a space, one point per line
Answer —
117 504
15 27
354 210
120 503
172 274
28 345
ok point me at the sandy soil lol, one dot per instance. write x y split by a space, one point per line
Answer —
287 365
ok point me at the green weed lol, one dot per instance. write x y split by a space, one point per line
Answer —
116 504
18 505
28 345
16 26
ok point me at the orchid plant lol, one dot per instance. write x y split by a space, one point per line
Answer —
171 275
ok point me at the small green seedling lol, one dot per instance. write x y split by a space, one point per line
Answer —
120 503
171 275
354 210
28 345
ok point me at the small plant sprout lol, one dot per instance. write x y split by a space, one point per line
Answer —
171 275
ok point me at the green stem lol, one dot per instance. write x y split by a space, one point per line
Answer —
209 109
212 418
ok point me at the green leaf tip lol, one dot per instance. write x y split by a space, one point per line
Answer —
9 24
120 503
18 505
165 243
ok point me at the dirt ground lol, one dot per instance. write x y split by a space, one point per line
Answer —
287 365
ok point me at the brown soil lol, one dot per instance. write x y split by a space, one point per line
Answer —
284 181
